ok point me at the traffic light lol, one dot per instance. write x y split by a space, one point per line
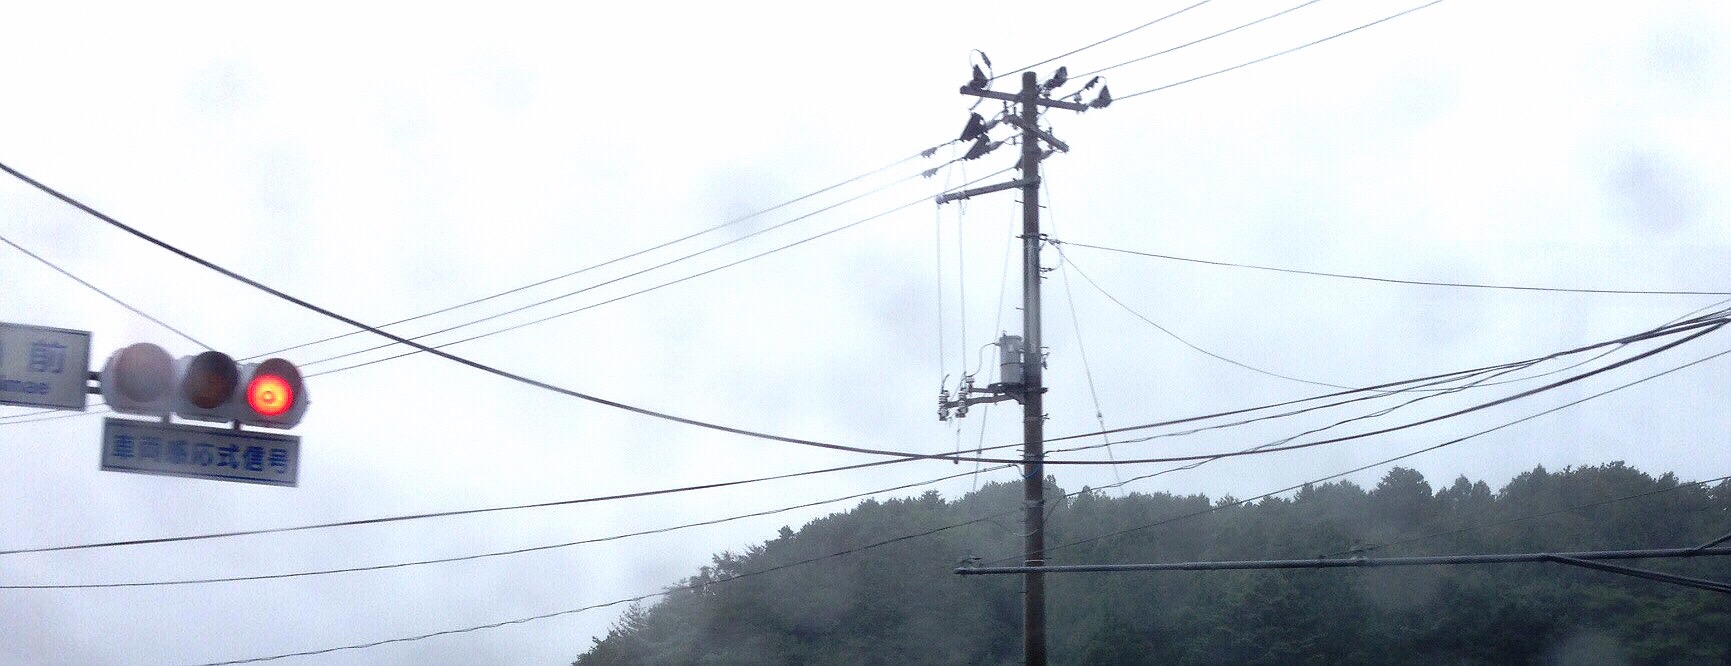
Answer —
210 386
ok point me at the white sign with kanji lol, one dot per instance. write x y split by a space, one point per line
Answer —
42 366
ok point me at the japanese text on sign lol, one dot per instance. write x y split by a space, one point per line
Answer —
195 451
41 366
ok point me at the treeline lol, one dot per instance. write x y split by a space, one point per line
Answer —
900 603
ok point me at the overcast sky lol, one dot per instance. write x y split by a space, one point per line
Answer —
385 163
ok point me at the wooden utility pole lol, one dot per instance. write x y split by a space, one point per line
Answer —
1030 390
1033 412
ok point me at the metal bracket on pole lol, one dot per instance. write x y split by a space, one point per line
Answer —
968 194
1043 134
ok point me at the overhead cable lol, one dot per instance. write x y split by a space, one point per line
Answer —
102 293
1067 54
432 350
1066 261
916 535
1374 465
501 553
1419 382
1081 348
630 275
1580 558
419 348
717 227
1383 431
664 592
1612 347
1199 41
399 518
1278 442
1427 283
444 514
1276 55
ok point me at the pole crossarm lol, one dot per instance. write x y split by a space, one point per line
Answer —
1043 134
988 189
1011 97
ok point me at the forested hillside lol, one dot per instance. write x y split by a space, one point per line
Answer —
900 603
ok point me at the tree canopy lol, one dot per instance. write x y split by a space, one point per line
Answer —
901 604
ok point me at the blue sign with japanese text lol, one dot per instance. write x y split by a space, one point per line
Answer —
175 449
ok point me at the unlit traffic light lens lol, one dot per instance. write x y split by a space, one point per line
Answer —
210 380
270 395
142 372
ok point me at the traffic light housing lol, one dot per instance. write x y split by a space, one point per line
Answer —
210 386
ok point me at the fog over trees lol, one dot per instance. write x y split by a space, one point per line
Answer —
901 604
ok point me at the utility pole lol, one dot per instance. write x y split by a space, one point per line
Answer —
1026 354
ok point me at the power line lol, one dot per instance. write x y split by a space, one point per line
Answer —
1428 283
49 415
636 273
1276 443
536 321
1103 41
419 516
446 514
1181 339
945 528
1581 558
1204 39
1484 381
1706 328
1205 461
1276 55
495 509
419 348
104 294
437 352
502 553
1614 345
652 595
1423 387
1677 326
1377 464
924 153
1081 349
1420 381
1664 330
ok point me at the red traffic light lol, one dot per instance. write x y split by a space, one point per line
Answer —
274 397
269 395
